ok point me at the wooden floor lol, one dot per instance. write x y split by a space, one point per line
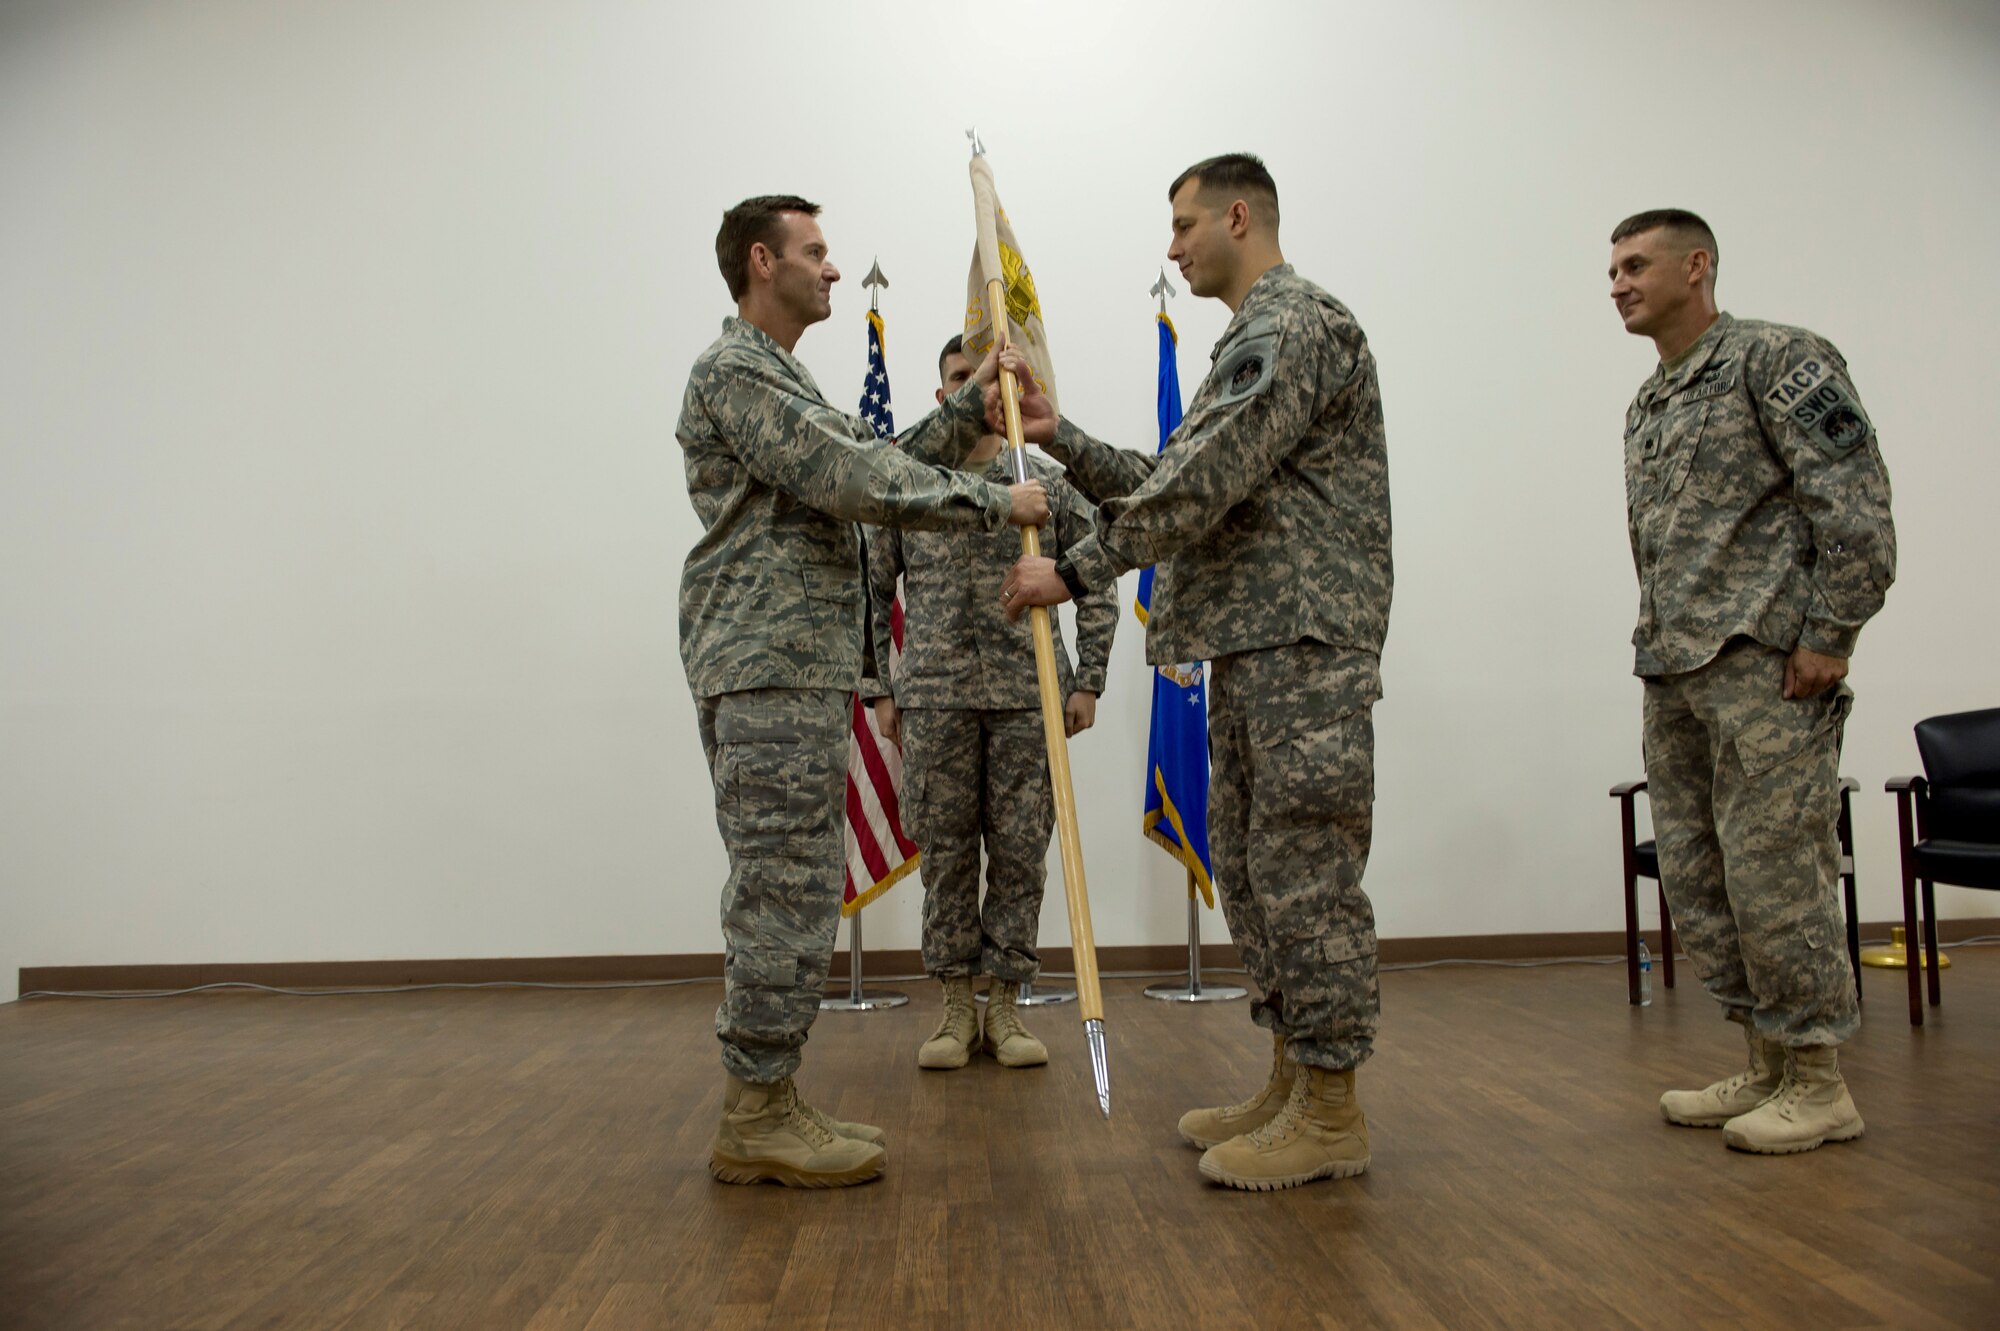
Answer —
534 1159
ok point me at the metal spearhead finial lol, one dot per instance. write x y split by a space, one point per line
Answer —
978 148
872 281
1093 1031
1163 289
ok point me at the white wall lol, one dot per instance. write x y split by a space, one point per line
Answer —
341 345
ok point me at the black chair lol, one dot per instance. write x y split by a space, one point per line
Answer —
1955 838
1642 860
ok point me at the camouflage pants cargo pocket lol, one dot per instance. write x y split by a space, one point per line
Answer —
1745 796
779 760
1291 824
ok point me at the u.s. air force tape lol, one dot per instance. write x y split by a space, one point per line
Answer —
1246 369
1817 399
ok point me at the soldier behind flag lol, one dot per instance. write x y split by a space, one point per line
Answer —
964 706
1268 515
772 632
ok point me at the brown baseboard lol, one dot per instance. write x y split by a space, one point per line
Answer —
1167 958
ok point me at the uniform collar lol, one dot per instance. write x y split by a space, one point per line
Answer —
1261 293
1699 355
742 330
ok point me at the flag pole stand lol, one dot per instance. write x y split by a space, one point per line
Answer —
1194 991
857 999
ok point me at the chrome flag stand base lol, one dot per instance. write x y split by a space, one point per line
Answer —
1194 991
858 999
1032 997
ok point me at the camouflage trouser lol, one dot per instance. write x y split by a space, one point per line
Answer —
1290 820
969 775
1745 789
778 758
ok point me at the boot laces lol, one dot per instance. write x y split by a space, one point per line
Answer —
1291 1119
803 1119
960 1020
1003 1022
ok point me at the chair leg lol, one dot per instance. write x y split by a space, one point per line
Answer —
1631 938
1666 941
1930 940
1853 934
1910 945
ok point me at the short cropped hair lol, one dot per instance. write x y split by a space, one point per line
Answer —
753 222
1684 225
955 347
1237 175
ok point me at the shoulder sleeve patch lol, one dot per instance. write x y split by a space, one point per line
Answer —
1817 399
1247 367
1798 381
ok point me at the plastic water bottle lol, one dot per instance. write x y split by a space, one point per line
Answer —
1645 975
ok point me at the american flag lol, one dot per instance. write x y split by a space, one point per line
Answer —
878 854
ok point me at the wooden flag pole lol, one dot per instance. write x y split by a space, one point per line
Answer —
1076 894
1069 837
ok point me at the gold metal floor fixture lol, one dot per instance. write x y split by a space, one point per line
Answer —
1897 956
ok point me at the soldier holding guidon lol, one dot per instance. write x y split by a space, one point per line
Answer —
1758 506
1266 517
963 704
772 609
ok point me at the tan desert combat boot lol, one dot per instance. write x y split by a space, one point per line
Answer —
1811 1106
1714 1105
1320 1133
1211 1127
861 1132
951 1045
1005 1037
768 1135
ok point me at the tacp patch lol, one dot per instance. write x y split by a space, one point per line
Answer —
1798 381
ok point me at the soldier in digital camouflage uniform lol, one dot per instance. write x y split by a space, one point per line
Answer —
772 605
965 707
1267 518
1759 515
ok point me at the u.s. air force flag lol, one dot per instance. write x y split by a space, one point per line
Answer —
1177 751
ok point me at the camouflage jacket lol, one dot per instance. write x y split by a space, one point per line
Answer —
773 595
1757 500
959 651
1267 513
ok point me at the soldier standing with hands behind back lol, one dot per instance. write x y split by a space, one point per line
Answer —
965 708
1759 514
772 631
